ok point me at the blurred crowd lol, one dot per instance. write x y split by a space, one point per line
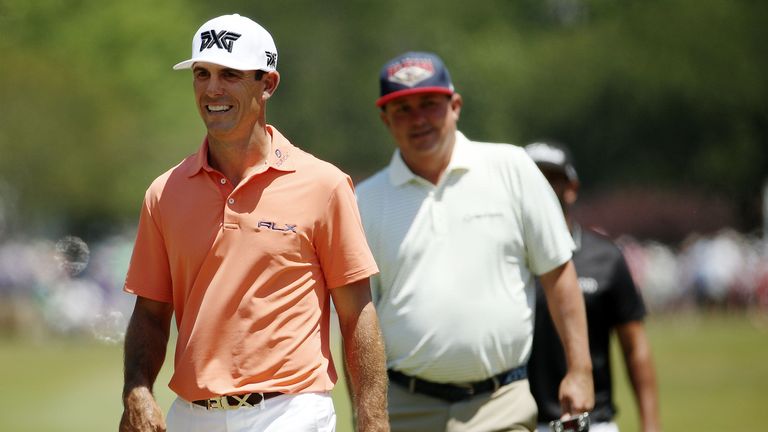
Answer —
725 270
71 287
65 287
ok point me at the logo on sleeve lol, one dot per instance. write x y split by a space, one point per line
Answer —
588 285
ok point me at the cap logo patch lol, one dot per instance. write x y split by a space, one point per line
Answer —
410 72
223 39
271 59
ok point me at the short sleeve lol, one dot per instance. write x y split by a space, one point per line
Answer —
340 241
548 242
626 301
149 270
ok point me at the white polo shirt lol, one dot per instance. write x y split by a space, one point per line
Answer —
455 292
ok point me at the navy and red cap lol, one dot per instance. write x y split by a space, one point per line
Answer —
413 73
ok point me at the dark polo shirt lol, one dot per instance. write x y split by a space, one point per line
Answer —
611 299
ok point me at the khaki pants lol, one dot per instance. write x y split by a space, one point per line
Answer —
510 408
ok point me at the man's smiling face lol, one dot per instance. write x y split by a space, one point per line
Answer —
228 100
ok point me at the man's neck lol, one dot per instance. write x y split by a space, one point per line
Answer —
237 158
430 170
431 167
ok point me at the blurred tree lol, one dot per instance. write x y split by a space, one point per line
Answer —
669 94
92 112
657 94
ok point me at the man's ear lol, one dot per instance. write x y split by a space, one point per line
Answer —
383 116
571 192
271 81
456 104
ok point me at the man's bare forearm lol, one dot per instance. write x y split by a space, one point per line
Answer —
364 355
637 356
146 341
566 306
366 368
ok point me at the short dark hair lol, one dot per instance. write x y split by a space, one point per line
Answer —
260 74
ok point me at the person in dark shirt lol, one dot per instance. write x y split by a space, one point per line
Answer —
613 303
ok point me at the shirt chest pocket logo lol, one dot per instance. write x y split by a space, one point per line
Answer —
493 223
276 238
482 215
275 226
485 214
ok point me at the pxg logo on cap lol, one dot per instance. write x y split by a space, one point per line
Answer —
413 73
224 39
233 41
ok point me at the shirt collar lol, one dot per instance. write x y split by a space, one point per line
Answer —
462 159
279 158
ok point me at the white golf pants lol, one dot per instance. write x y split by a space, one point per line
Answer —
305 412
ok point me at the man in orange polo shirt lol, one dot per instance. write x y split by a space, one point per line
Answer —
246 241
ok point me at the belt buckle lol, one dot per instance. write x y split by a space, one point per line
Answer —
496 383
469 389
215 403
222 402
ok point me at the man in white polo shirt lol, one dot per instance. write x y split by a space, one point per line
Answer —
459 230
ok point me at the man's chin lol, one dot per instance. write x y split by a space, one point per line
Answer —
218 128
424 145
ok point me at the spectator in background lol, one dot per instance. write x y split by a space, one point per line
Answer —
613 303
459 229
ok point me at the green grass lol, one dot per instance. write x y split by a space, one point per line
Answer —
59 386
711 370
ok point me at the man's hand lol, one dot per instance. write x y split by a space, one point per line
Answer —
146 340
577 394
141 413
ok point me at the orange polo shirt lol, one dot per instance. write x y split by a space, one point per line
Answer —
248 269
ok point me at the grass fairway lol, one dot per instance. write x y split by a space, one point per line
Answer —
712 371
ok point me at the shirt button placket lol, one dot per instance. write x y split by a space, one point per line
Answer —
434 211
439 216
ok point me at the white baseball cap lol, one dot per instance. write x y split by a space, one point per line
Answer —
552 155
233 41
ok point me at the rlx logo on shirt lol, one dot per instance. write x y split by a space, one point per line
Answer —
274 226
